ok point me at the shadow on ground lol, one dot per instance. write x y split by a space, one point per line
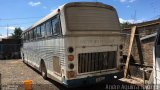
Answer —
111 84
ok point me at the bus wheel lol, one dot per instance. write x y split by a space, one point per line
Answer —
23 58
43 71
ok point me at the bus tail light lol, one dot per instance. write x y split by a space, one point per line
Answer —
71 66
70 49
71 74
70 57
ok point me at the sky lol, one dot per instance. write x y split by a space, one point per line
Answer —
24 13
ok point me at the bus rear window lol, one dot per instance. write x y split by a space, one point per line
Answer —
91 18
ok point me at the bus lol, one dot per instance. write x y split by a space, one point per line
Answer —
156 62
78 43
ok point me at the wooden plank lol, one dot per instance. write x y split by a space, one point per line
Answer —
133 29
138 41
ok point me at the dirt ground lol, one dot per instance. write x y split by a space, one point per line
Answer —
15 72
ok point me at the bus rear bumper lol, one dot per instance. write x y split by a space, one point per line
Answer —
93 80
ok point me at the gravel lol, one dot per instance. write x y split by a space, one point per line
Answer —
15 72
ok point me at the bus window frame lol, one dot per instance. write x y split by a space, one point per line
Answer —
39 37
44 31
50 29
28 36
60 26
52 35
34 33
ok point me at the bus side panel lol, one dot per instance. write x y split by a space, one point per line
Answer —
45 50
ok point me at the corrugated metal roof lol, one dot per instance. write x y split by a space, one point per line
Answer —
149 36
143 24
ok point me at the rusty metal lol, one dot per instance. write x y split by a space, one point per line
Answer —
88 62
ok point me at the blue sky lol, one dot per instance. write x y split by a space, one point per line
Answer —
23 13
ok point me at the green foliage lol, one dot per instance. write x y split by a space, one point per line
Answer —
17 33
125 24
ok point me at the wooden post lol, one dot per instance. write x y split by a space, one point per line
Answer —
139 46
133 29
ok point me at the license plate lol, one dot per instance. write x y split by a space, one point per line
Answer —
99 79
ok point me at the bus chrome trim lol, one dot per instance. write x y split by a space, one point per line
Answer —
93 73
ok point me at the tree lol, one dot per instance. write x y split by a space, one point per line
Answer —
125 24
17 33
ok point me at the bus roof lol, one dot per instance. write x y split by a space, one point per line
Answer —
54 12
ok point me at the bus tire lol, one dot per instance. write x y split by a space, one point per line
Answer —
23 58
43 70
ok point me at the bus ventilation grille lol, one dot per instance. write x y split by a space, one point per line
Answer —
88 62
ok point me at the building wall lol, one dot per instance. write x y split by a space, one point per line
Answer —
147 46
10 48
148 53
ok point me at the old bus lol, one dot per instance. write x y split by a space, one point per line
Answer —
78 43
156 62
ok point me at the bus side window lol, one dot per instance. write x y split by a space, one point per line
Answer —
28 36
48 28
35 33
43 30
56 26
32 34
38 31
